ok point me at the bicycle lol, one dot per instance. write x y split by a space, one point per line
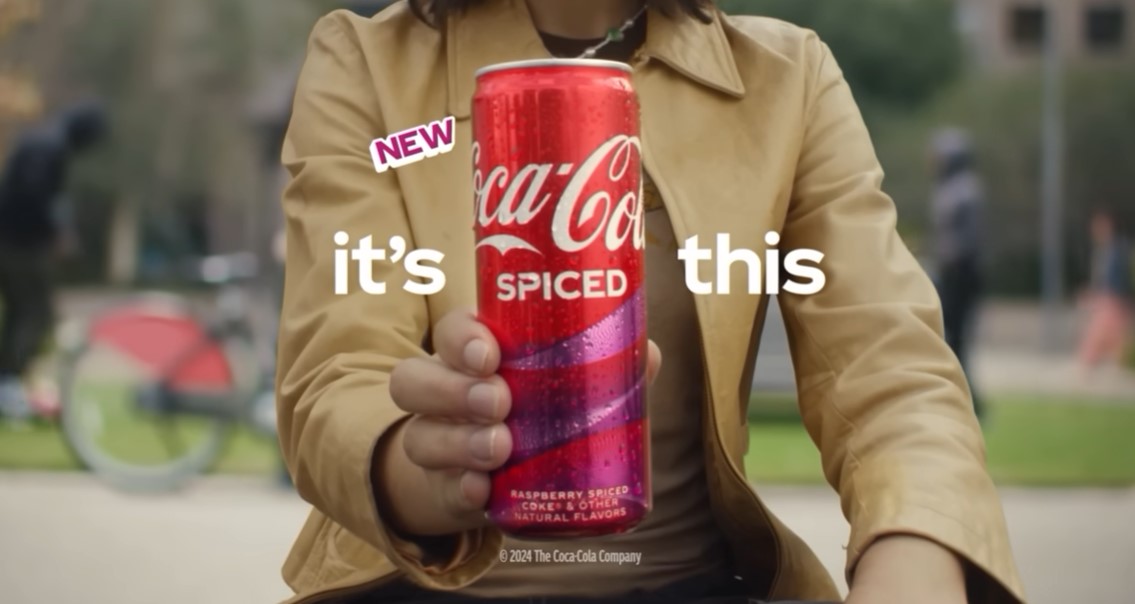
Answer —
155 362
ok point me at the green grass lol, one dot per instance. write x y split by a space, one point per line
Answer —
1029 443
42 448
127 435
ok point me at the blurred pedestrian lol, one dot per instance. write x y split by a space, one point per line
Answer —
1110 298
957 206
32 234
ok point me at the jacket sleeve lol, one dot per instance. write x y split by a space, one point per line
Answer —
336 352
880 392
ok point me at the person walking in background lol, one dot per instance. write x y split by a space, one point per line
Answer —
957 208
31 235
1110 298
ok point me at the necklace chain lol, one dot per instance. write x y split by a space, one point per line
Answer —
613 35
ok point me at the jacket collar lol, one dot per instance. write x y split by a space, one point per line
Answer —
497 31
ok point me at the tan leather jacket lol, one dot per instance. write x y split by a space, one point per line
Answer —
748 127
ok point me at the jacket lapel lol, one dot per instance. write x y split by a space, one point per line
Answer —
684 156
495 31
685 159
499 31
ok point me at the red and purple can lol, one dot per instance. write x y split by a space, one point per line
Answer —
560 236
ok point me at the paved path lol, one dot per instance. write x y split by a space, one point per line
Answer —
64 539
1010 358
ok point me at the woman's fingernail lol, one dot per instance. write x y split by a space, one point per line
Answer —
476 355
484 400
482 443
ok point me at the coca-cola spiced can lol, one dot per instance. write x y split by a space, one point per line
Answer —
560 234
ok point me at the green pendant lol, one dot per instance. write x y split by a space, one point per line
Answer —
615 35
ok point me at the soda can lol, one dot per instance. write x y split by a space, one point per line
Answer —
559 235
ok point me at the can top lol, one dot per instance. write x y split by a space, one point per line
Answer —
554 63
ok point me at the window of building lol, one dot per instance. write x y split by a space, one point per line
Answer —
1105 27
1027 24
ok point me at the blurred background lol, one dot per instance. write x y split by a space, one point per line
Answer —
1006 127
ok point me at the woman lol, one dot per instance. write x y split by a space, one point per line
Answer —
392 446
1111 297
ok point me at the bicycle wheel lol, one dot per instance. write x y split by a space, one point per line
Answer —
116 377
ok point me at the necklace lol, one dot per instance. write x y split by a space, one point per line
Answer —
615 34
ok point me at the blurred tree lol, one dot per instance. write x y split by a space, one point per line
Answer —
183 81
1002 112
14 13
20 98
179 77
896 54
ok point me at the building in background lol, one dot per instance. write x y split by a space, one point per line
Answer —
1006 34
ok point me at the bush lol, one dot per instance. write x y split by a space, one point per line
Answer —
1003 114
895 55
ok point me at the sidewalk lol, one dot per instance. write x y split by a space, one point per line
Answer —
68 538
1037 374
1010 358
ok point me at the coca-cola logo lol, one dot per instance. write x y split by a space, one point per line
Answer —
586 211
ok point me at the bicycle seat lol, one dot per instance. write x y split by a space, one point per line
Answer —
222 269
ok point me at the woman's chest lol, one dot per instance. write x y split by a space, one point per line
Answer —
712 168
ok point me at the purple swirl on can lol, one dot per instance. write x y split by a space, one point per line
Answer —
535 433
606 338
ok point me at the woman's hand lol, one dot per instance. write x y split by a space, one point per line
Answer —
902 569
436 473
434 470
